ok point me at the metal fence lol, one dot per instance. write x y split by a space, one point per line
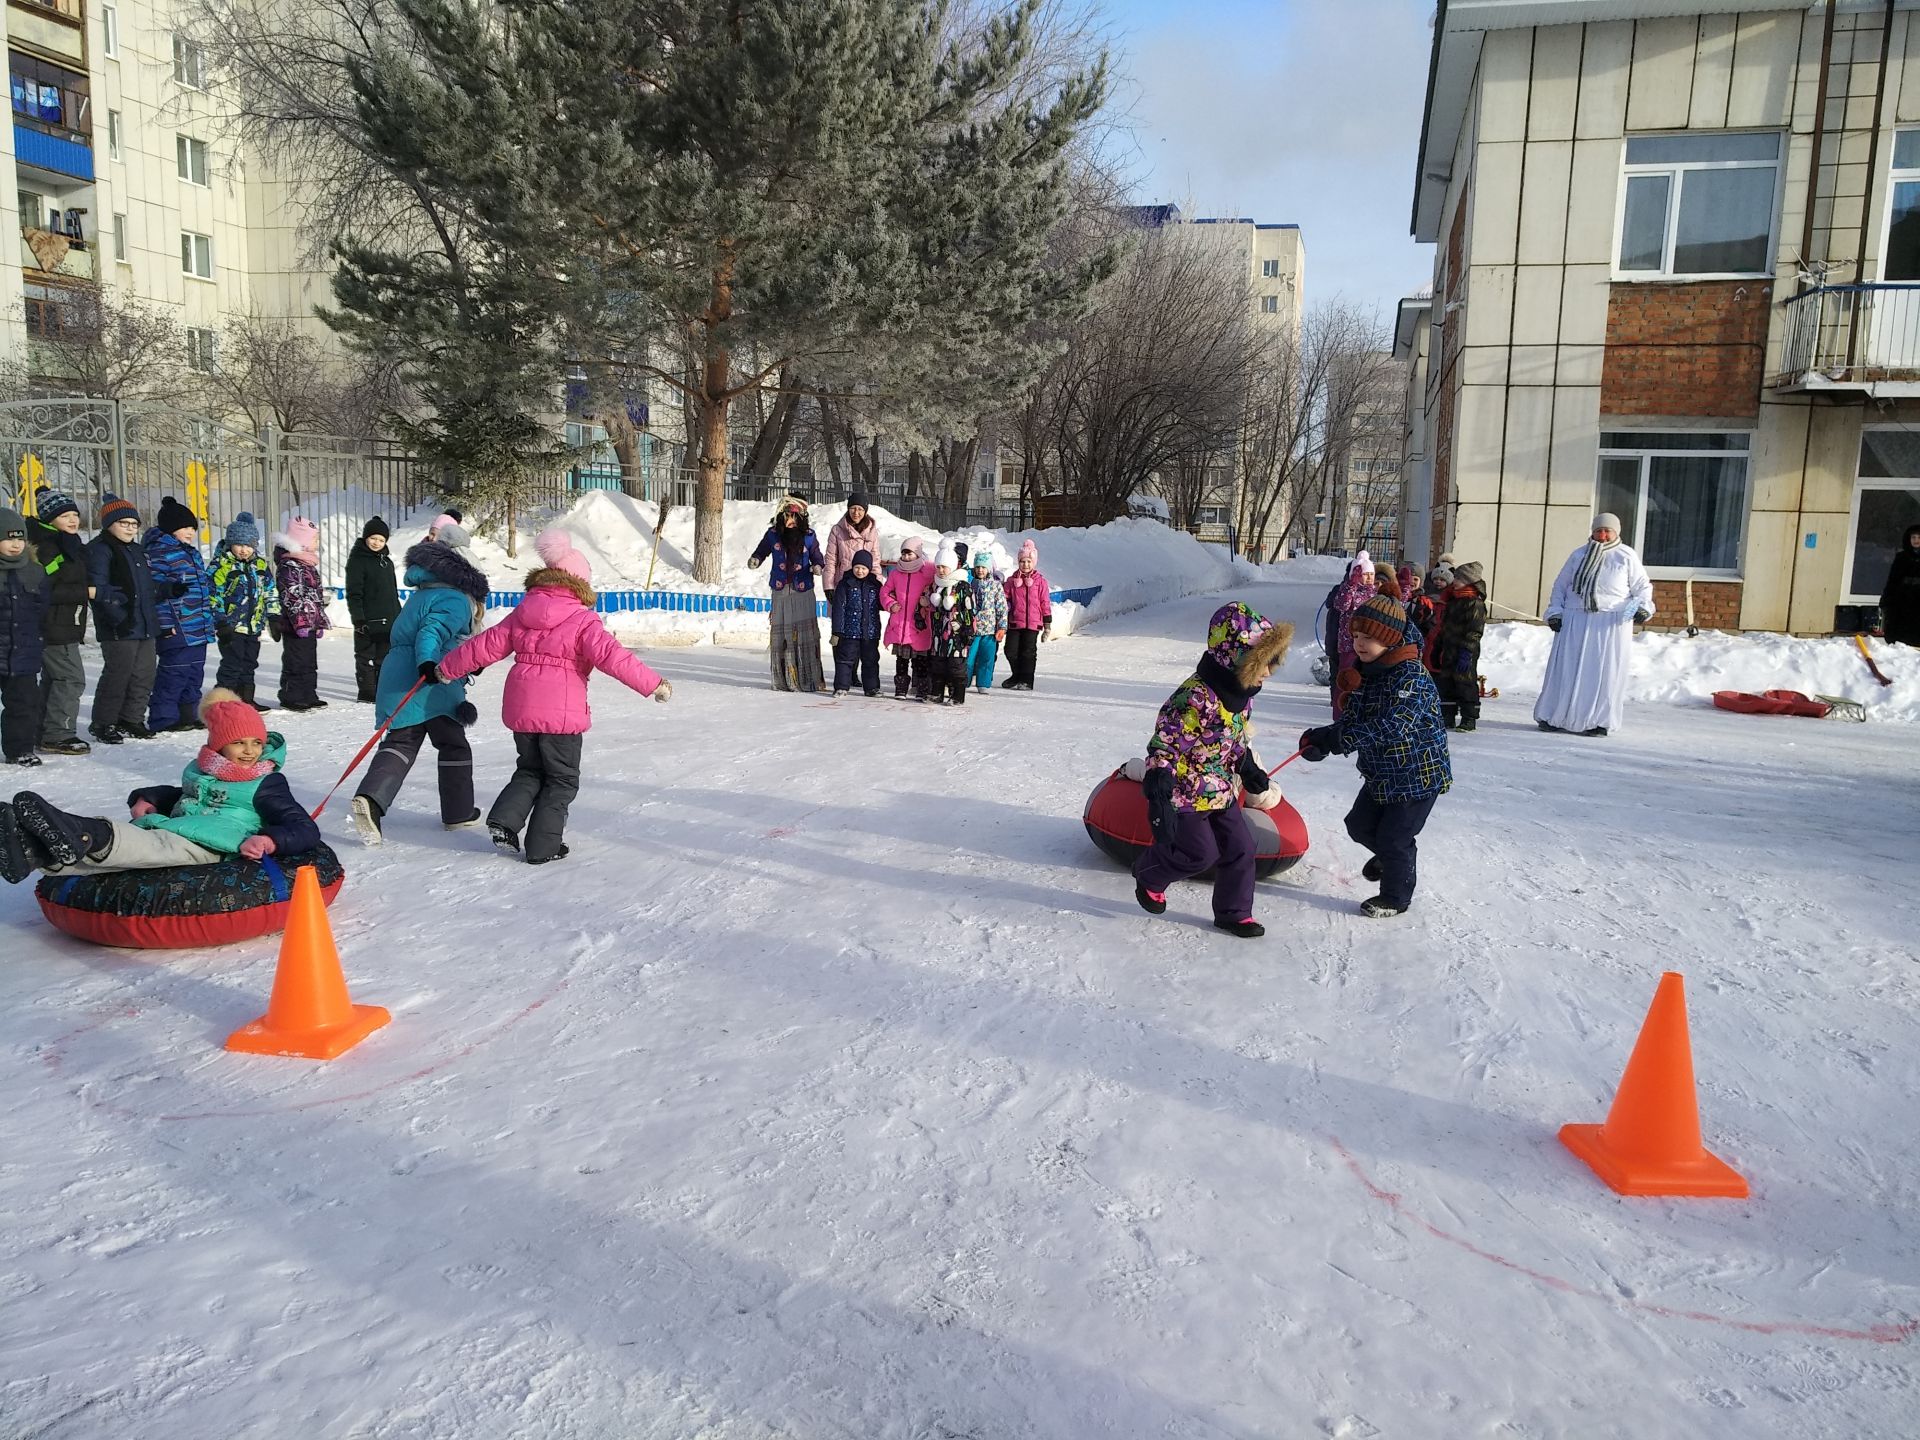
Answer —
1852 334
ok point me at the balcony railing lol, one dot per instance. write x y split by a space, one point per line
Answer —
1853 337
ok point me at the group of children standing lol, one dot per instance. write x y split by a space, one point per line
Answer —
1446 617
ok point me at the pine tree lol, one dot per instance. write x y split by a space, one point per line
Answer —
835 186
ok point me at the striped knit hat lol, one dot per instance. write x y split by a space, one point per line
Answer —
1382 618
52 504
113 510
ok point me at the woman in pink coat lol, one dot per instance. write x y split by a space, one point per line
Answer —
908 632
851 533
1029 616
556 642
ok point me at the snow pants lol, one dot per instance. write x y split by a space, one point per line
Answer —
19 714
912 672
394 759
299 670
181 670
370 646
980 662
949 678
63 676
857 659
1390 832
545 781
1203 840
1459 696
126 680
1023 651
239 659
137 849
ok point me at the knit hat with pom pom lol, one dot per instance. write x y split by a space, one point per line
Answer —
229 718
555 547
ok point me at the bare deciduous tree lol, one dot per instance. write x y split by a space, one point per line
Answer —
100 345
272 372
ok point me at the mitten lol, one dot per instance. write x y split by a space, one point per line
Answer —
274 628
255 846
1253 779
664 693
1046 631
177 588
1553 623
834 640
1317 744
754 563
1640 617
1158 788
430 673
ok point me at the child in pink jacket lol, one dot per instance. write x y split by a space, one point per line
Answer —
1029 616
556 641
909 635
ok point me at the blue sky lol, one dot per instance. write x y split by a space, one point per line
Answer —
1290 110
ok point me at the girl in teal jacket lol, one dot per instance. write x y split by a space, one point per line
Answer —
448 600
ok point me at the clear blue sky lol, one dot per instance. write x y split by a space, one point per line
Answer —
1290 110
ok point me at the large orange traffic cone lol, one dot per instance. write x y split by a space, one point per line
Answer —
309 1013
1650 1144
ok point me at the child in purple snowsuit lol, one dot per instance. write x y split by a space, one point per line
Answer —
303 614
1198 750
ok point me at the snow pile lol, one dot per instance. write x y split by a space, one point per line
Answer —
1670 668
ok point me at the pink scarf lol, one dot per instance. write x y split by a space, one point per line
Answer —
213 763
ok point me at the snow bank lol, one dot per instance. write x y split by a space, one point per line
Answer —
1670 668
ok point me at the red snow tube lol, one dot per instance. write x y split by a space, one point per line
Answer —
186 906
1774 702
1116 821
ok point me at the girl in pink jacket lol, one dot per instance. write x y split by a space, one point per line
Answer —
908 632
556 642
1029 616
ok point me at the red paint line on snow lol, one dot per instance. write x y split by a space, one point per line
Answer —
1888 1334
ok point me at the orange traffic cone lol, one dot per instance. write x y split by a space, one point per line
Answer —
1650 1144
309 1013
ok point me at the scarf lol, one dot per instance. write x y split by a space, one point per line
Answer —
212 762
1587 578
306 557
27 566
942 592
1233 696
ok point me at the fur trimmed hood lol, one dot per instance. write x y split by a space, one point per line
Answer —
1269 650
450 568
554 577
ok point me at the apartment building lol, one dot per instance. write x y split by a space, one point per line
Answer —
1674 252
121 171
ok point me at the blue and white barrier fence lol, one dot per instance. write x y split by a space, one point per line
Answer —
695 602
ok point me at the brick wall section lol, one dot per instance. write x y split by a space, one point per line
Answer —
1443 366
1693 349
1716 605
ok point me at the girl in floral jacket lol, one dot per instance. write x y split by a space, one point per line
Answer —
948 603
1198 750
303 614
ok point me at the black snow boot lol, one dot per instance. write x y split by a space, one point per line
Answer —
1468 723
1371 870
20 853
1381 908
504 840
105 734
1149 902
559 854
67 839
1246 929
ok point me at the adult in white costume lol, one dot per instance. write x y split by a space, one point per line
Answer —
1602 593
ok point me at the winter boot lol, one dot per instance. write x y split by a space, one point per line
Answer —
20 853
25 762
67 839
366 814
466 824
560 854
1248 929
1371 870
1598 732
105 734
1151 903
504 840
70 745
1380 908
138 732
1467 722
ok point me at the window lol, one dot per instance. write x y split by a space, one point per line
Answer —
33 210
196 254
200 345
113 134
110 31
1269 269
120 236
45 317
1699 204
191 158
1269 304
1210 515
1681 496
1886 502
189 63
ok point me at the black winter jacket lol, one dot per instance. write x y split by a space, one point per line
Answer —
373 597
65 558
1900 601
23 617
123 599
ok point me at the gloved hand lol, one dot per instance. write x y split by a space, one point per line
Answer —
430 673
828 592
1640 617
177 588
754 563
1317 744
1158 788
1046 631
274 628
255 846
834 640
1253 779
144 807
1553 623
664 693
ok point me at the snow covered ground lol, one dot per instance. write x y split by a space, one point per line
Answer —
836 1087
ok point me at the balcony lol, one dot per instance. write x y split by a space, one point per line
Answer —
1853 339
55 27
51 255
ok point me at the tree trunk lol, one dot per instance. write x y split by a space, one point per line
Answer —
710 494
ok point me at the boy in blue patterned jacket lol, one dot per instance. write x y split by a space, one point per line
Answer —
1393 722
183 594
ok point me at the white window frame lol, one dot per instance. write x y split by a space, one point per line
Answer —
1896 175
1676 169
189 62
190 252
1269 269
110 31
1645 454
184 149
1269 304
1863 483
114 135
120 237
203 350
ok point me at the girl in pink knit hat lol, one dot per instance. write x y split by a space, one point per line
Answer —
556 641
303 614
1029 616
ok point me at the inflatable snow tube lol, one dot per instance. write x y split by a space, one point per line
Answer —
1116 821
185 906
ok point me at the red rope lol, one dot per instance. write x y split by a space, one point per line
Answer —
366 749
